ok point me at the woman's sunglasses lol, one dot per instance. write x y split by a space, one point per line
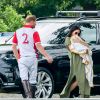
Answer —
77 33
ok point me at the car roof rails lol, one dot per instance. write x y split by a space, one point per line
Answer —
78 13
41 18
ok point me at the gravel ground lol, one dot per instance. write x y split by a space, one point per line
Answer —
9 95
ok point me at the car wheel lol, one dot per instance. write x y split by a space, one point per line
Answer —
45 84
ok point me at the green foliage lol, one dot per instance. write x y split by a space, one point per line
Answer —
97 3
37 7
10 19
3 26
85 4
11 10
63 5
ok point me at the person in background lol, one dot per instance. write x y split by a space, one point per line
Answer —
27 39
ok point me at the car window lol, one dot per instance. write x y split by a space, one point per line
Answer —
58 37
88 32
55 33
49 32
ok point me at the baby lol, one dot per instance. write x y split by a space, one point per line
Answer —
86 54
79 45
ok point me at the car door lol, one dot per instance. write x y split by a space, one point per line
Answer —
61 58
61 62
90 35
7 63
89 32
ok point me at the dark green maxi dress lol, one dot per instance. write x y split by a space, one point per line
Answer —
77 69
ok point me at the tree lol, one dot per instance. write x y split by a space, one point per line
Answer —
85 4
11 10
37 7
3 26
97 3
10 20
49 7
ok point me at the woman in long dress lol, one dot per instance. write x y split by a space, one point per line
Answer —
77 68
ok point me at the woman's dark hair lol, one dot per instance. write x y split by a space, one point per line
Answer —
72 29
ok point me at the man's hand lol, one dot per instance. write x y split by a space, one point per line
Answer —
44 53
49 59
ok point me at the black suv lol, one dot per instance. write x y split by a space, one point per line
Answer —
52 77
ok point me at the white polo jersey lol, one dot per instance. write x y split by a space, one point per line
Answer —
26 38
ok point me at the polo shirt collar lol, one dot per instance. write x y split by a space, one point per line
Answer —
28 26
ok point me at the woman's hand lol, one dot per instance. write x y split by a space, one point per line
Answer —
87 51
84 52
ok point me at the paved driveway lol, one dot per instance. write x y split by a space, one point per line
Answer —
8 95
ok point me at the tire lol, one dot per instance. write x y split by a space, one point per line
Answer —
45 84
47 90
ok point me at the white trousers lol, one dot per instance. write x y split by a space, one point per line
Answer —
28 69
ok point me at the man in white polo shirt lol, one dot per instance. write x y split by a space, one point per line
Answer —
27 39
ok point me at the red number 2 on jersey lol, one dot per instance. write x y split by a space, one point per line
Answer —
26 38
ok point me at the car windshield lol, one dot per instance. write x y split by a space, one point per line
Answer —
5 36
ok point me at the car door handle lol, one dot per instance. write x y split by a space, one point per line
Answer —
9 58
